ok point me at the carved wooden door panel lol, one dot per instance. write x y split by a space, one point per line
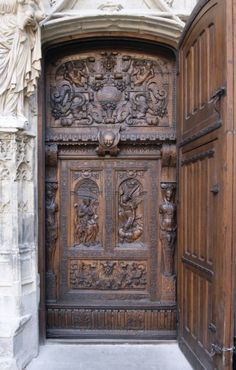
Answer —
110 192
205 244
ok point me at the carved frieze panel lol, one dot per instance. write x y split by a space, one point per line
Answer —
108 274
112 318
111 87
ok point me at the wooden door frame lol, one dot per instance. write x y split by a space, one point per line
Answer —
147 41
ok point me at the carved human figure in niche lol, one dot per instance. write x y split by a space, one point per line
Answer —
86 218
20 54
51 222
86 221
131 223
168 230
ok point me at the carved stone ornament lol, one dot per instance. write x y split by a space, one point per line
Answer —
20 57
107 274
108 140
168 227
111 87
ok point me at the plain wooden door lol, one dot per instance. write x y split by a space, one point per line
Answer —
205 202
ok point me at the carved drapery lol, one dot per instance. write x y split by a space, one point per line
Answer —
20 58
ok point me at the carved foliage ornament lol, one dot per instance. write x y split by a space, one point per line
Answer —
107 274
111 88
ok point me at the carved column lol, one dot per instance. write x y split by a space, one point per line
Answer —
19 69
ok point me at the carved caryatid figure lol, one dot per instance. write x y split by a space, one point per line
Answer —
51 222
168 229
20 53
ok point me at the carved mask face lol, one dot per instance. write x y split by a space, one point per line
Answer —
108 139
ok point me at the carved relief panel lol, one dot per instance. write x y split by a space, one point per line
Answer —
109 225
111 87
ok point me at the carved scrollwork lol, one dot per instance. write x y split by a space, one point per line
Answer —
130 210
86 217
116 275
111 88
168 227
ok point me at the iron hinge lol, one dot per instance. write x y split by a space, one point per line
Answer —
217 349
217 95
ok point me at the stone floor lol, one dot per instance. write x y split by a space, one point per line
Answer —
158 356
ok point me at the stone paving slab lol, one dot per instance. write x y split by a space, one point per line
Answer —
60 356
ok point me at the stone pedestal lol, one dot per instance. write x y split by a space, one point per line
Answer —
18 255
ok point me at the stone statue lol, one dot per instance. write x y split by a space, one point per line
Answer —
20 54
168 229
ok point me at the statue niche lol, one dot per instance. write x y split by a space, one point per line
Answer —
168 228
86 218
130 210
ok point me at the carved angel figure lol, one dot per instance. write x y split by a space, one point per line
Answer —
131 222
168 230
20 54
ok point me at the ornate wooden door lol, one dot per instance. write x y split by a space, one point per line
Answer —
205 135
110 191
